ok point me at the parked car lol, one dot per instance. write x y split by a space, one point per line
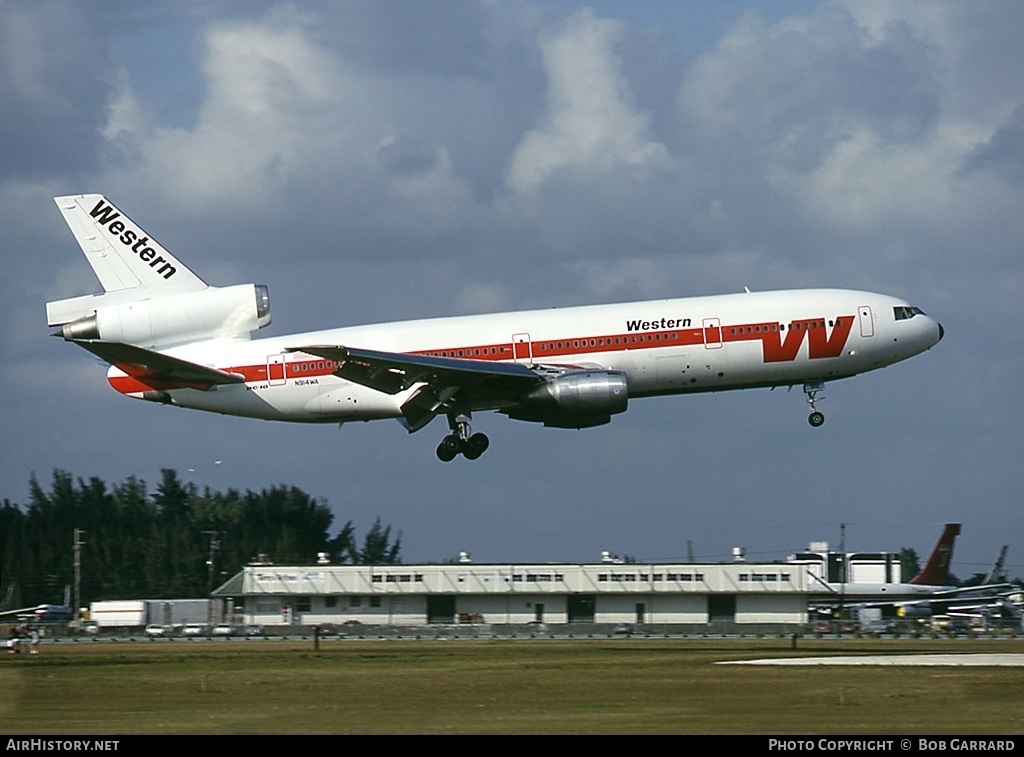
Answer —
155 631
253 630
193 629
223 629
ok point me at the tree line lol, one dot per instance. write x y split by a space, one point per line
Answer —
172 543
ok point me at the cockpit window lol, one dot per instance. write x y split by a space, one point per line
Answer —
904 312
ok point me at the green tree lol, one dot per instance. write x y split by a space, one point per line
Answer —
910 566
378 549
138 545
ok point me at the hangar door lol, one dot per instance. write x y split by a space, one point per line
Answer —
441 608
581 608
721 607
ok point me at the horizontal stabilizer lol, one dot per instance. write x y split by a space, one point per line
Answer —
60 312
158 370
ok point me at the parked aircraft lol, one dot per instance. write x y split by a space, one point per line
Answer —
993 598
171 338
44 613
996 573
932 578
12 600
927 594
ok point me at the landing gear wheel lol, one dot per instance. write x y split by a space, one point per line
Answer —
812 389
449 447
475 446
461 439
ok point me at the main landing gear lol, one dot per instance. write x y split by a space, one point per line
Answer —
461 440
816 418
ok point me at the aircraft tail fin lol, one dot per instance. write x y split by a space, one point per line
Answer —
12 599
150 298
997 573
936 571
121 253
129 263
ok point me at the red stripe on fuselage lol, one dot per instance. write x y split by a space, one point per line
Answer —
824 340
821 342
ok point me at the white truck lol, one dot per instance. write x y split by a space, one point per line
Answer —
139 613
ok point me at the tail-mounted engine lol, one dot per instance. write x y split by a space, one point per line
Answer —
211 313
579 399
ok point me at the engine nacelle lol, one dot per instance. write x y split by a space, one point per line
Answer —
915 610
212 313
580 399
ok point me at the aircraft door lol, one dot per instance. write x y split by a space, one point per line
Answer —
522 348
712 333
867 320
275 370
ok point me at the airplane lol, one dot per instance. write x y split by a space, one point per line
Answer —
171 338
927 594
13 599
994 597
44 613
996 572
931 580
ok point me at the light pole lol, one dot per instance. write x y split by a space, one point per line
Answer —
214 546
78 543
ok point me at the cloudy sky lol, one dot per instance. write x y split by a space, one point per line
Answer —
381 160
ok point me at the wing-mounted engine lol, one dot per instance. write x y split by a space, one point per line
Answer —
162 321
576 399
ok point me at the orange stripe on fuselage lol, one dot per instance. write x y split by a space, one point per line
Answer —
824 340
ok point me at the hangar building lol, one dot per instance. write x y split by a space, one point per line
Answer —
737 593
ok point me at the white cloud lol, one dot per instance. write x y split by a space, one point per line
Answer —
287 126
847 135
273 102
590 122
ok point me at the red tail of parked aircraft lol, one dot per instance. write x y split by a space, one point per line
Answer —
936 571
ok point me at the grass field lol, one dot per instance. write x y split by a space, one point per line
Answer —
502 686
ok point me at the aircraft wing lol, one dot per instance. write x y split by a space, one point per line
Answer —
941 601
481 382
156 369
970 592
393 372
22 610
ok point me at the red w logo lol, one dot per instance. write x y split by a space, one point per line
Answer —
820 343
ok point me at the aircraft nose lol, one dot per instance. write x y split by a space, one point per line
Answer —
942 332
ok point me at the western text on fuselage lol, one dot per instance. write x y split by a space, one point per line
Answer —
656 325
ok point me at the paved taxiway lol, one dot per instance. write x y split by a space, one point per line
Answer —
1011 660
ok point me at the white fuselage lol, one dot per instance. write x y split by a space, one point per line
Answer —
699 344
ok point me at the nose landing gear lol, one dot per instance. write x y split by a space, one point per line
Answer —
461 440
816 418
